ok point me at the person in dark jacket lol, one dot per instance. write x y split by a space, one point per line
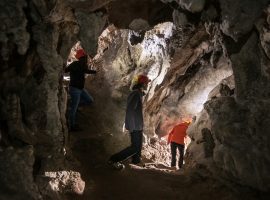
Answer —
78 94
133 123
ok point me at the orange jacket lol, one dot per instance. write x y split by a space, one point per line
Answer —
178 133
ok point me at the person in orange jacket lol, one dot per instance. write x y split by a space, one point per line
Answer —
176 140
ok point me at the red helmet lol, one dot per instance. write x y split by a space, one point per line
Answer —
80 53
143 79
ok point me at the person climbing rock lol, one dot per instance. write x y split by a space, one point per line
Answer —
133 123
78 94
176 140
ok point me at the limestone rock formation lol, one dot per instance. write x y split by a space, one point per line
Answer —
209 59
231 120
16 174
192 5
153 12
54 183
238 17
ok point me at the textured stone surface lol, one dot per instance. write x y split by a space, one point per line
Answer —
190 5
53 184
263 27
246 65
239 16
88 36
237 125
13 22
153 12
36 37
88 5
139 25
179 18
231 137
16 174
155 150
225 88
210 14
189 80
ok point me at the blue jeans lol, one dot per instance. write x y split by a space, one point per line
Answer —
77 96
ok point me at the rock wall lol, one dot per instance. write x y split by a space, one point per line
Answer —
197 55
16 174
229 137
36 37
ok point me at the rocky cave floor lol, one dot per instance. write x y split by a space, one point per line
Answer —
149 182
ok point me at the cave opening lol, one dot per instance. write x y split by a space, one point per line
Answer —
122 59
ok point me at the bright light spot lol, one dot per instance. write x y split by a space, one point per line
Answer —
198 89
66 78
196 104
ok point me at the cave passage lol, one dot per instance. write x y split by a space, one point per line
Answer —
209 66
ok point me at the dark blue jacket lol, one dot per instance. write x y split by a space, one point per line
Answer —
134 111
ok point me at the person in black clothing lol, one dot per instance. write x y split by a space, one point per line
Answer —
134 124
78 94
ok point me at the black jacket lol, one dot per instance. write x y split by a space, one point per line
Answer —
77 72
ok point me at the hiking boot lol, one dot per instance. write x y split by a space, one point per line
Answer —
116 165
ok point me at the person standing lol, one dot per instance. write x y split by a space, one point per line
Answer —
176 139
78 94
133 123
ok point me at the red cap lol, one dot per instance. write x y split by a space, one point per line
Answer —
80 53
143 79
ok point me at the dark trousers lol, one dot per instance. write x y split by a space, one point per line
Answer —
134 150
77 96
181 149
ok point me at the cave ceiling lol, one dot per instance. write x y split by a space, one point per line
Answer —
122 13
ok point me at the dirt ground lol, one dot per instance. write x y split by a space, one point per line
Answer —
152 182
